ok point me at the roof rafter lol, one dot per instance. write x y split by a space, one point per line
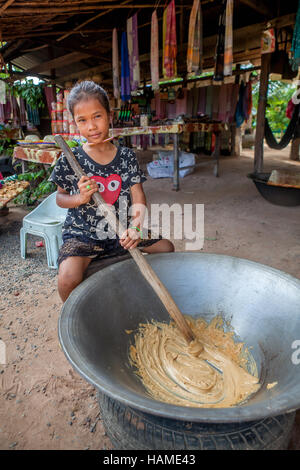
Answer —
258 6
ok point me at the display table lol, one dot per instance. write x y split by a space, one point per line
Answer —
50 156
176 129
36 155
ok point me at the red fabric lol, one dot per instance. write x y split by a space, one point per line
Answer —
290 109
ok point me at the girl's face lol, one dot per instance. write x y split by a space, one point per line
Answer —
92 120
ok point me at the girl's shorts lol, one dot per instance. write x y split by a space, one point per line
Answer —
94 249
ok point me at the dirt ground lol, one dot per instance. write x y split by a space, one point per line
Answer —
44 404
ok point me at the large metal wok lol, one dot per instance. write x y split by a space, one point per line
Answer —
262 305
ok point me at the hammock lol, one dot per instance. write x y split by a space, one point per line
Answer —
288 135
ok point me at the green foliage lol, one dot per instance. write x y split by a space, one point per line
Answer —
31 93
7 147
279 94
38 176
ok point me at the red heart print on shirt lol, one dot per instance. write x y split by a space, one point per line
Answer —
109 187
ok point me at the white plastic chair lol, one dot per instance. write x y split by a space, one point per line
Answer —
46 221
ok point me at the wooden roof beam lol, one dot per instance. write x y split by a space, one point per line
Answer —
258 6
61 61
5 6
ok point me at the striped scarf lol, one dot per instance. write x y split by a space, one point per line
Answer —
154 60
133 51
195 40
228 58
169 41
115 64
125 73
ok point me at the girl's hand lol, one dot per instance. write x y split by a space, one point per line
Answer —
87 188
130 239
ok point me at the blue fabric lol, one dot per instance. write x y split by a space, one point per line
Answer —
240 112
295 49
125 70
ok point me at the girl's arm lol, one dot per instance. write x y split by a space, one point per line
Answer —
131 238
139 204
69 201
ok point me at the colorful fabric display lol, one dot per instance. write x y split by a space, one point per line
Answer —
228 54
133 52
154 59
115 64
195 40
169 42
125 71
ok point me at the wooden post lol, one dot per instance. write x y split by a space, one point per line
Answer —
261 113
294 153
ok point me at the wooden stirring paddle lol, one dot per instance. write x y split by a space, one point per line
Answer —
136 254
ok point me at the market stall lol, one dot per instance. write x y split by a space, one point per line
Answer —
49 156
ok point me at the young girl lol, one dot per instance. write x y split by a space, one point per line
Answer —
112 171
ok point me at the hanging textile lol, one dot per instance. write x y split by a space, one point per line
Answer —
133 52
33 115
232 100
202 100
15 111
209 101
215 106
223 103
154 56
181 103
290 109
220 48
289 133
50 97
228 57
170 49
115 64
240 114
248 101
295 49
7 108
125 73
195 40
2 92
23 116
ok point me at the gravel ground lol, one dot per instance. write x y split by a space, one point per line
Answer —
44 403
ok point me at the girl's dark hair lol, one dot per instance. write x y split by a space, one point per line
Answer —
87 89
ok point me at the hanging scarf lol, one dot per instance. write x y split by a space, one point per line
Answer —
295 49
125 73
133 52
240 113
170 43
195 41
23 117
154 60
220 49
228 57
2 92
50 97
115 64
15 111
